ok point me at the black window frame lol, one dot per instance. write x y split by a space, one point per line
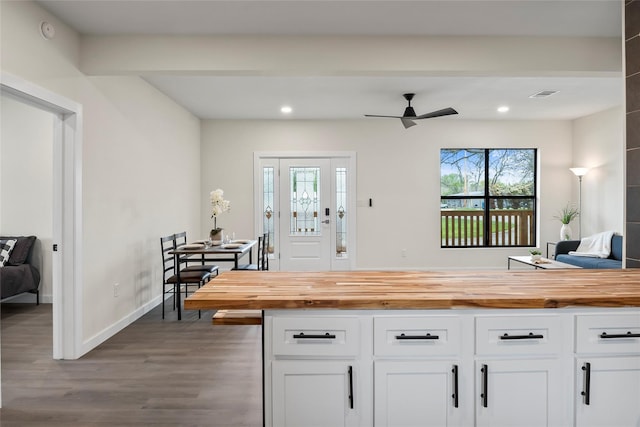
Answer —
487 198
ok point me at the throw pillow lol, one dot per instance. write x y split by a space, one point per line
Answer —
6 246
21 250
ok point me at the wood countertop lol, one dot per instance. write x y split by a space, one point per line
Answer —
418 289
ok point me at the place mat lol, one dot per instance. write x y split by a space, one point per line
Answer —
193 246
241 241
232 245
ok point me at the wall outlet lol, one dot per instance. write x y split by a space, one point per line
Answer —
116 289
403 253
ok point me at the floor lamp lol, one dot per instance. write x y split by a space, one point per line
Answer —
579 172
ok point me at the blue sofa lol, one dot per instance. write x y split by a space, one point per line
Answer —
614 261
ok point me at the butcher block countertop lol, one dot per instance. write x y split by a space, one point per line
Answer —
372 290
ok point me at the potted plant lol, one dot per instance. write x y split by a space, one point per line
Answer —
566 215
536 255
218 206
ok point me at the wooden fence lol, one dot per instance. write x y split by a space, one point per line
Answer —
466 227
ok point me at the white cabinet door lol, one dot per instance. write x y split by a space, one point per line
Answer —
314 393
523 392
417 393
608 391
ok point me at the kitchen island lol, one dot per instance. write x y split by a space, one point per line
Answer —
443 348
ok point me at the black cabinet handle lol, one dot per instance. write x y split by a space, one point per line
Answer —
485 386
586 392
417 337
351 387
455 386
531 336
326 336
604 335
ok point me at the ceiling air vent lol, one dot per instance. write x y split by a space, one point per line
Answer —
544 94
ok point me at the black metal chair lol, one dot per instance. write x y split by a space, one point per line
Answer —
170 278
262 261
181 239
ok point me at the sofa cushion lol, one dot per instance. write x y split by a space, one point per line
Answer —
22 249
589 262
6 246
616 248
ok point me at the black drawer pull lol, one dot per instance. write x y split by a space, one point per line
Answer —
350 387
417 337
604 335
586 383
326 336
454 396
531 336
485 386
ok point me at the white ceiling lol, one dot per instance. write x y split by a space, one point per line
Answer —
322 97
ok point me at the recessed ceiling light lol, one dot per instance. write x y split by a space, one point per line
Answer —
286 109
503 109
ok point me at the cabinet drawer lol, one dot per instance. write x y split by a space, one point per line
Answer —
417 336
513 335
316 336
608 333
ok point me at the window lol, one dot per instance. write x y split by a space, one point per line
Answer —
487 197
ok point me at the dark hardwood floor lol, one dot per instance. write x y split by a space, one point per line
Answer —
153 373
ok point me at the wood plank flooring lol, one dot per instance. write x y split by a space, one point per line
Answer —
153 373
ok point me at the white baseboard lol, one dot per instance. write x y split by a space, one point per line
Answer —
110 331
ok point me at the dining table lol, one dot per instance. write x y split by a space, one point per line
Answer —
203 251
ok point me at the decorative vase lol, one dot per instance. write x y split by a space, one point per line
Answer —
565 232
216 236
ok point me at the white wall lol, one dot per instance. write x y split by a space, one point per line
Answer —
26 190
598 144
141 172
398 169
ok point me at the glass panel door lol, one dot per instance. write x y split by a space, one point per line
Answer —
306 214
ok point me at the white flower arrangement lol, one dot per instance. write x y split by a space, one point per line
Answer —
218 206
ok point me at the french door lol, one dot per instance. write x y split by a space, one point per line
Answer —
306 204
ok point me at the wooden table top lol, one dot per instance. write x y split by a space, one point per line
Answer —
419 289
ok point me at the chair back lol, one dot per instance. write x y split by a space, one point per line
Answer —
264 257
167 244
180 239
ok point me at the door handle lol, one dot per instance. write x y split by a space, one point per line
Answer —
326 221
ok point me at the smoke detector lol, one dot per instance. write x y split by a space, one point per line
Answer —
46 30
543 94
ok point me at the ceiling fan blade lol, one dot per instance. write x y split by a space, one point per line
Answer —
407 123
375 115
444 112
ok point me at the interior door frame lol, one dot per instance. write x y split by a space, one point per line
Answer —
67 210
348 157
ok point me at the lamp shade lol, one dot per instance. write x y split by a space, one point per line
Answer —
579 171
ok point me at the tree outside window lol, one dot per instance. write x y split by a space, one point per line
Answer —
488 197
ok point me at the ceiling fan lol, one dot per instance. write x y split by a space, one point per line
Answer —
409 115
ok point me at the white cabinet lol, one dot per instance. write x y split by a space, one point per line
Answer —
313 371
523 392
314 393
607 370
547 367
417 393
519 379
608 391
418 379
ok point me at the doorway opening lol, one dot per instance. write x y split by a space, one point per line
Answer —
66 247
